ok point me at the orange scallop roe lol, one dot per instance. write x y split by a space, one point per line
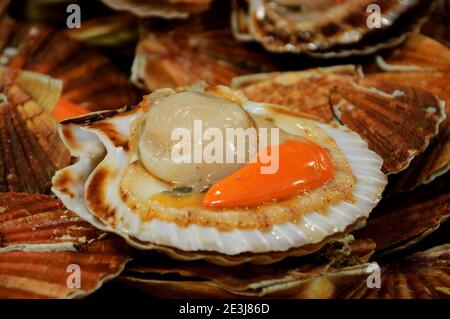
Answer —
303 166
65 109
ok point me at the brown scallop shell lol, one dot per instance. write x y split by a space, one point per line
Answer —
304 92
423 275
396 120
318 276
202 49
329 29
167 9
404 220
424 63
435 161
30 148
39 239
89 77
418 53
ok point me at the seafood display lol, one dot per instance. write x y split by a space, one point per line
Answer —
129 163
225 149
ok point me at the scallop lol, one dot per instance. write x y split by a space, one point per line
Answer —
109 187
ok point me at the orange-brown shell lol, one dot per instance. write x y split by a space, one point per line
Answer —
30 148
89 78
396 120
304 92
202 49
39 240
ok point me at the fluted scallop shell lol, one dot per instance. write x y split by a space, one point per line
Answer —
424 63
423 275
40 244
320 276
30 148
202 49
304 92
397 121
168 9
90 144
404 220
89 78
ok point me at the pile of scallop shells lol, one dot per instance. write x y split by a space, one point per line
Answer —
321 59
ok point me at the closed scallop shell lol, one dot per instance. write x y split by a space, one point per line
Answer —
423 275
435 161
397 121
202 49
319 276
306 93
89 78
419 213
42 244
31 150
167 9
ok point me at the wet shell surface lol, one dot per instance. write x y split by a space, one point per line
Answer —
168 9
423 63
396 120
30 148
39 48
202 49
420 213
306 93
423 275
91 141
323 275
329 29
42 244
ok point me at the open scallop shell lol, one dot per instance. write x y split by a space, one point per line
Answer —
306 93
167 9
318 276
202 49
40 239
89 78
87 140
404 220
423 275
307 27
396 120
30 148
